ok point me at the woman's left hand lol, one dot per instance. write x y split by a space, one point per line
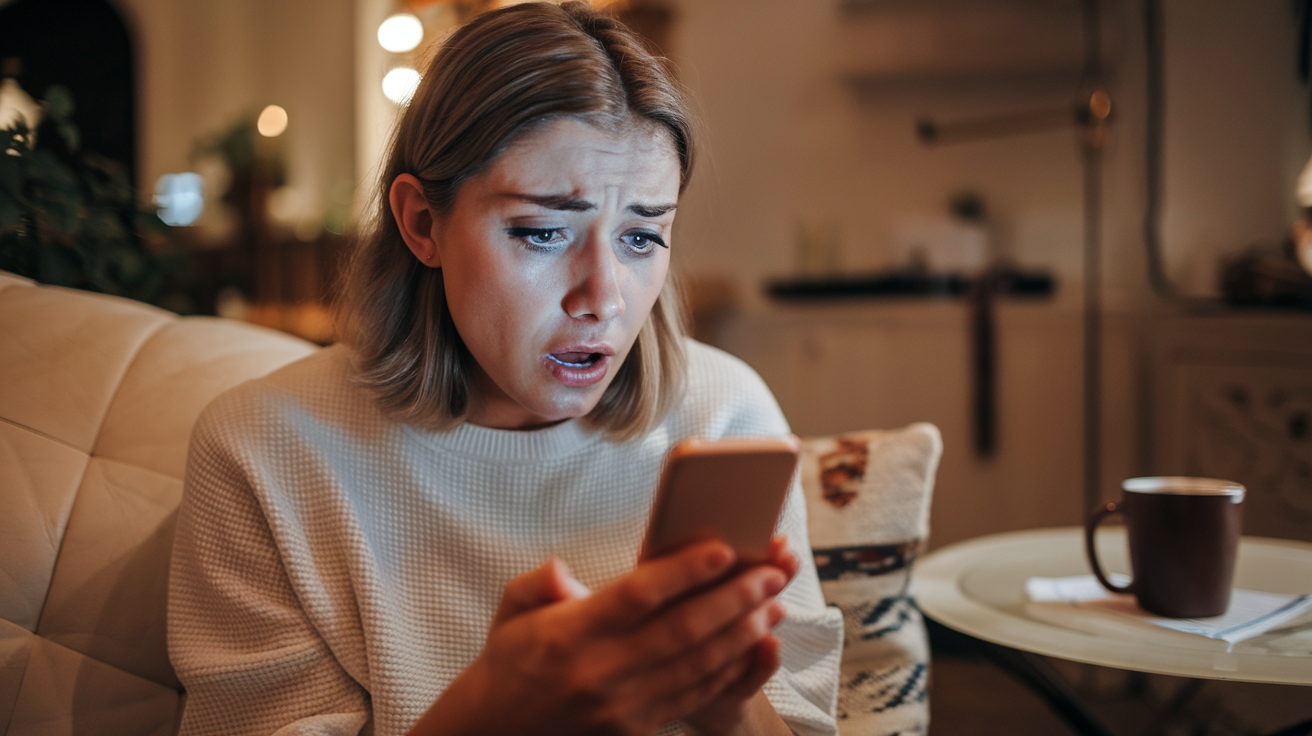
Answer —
742 708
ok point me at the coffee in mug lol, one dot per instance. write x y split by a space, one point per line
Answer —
1183 535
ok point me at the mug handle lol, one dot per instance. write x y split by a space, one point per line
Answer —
1091 526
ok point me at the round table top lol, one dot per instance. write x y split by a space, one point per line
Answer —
978 587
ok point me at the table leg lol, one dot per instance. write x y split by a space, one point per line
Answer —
1044 681
1299 729
1048 684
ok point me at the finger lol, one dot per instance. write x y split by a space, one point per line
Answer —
682 704
656 583
698 664
782 557
765 662
719 702
695 620
549 583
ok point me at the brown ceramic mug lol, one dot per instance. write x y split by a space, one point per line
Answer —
1183 534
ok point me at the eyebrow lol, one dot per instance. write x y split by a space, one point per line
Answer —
570 203
650 210
556 201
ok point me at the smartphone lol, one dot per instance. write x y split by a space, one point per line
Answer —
731 489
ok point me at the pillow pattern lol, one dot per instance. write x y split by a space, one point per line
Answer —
868 496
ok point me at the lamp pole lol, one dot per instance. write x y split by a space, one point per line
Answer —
1092 115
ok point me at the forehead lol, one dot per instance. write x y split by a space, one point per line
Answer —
569 155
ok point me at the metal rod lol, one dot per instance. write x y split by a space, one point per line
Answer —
1154 114
998 126
1095 138
1092 330
1046 683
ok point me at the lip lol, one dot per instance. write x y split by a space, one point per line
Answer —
580 376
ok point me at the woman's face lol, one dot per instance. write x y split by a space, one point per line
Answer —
552 259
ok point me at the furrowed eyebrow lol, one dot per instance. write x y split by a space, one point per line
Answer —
655 210
556 201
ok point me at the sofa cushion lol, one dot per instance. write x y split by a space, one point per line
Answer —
39 477
63 354
65 692
97 398
177 372
868 496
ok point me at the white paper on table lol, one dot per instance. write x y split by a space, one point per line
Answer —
1251 612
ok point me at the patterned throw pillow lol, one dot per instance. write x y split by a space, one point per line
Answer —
867 496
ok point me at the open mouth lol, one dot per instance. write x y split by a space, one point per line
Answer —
575 360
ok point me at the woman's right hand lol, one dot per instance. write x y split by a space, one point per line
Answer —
653 646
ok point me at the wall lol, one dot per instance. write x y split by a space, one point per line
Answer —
203 64
1236 132
787 140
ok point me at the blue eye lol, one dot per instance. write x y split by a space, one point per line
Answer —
538 237
642 241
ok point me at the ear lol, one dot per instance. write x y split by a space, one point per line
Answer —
414 218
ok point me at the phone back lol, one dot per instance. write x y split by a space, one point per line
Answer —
732 489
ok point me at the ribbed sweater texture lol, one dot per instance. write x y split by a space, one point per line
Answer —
335 569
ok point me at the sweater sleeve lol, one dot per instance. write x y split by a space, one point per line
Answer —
804 690
243 648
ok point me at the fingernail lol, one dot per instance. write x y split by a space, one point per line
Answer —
774 584
776 614
719 558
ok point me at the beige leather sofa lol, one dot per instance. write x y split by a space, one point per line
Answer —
97 399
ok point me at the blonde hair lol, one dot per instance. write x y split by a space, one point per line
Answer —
498 76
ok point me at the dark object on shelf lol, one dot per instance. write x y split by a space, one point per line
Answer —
1267 276
1007 282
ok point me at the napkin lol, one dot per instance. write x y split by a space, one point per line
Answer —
1251 612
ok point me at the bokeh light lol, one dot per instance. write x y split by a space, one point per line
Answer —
401 32
272 121
400 84
180 198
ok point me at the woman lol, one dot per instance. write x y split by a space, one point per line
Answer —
432 528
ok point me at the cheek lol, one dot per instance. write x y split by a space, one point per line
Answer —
645 288
497 303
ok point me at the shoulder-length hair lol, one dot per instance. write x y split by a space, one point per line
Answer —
493 79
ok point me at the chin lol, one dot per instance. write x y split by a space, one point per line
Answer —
571 405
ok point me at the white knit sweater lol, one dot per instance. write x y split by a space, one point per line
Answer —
334 570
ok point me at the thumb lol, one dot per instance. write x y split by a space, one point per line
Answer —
549 583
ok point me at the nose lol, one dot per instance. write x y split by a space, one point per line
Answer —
594 292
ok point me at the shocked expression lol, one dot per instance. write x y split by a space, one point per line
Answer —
552 259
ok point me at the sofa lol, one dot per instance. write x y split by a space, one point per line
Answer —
97 398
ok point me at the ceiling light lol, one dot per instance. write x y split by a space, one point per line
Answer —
272 121
400 84
401 32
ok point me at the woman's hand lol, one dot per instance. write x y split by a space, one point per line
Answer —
742 707
669 640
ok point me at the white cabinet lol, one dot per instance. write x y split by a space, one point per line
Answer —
1234 400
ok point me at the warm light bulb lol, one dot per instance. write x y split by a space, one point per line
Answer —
272 121
400 84
401 32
